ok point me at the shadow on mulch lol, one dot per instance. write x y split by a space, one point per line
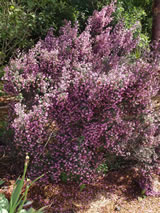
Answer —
68 197
127 178
10 166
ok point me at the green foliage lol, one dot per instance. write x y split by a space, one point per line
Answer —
85 9
49 13
4 203
103 168
16 26
143 195
134 11
24 22
64 177
18 200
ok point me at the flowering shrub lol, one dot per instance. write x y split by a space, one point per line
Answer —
80 96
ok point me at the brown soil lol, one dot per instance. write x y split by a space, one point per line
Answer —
117 192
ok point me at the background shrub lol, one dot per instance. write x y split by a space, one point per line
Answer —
24 22
15 27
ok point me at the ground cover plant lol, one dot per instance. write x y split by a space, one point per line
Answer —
82 95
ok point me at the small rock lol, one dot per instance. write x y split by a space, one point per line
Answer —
140 199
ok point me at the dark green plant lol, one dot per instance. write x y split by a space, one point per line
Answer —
24 22
18 199
16 26
49 13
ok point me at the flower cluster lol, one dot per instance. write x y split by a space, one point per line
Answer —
80 96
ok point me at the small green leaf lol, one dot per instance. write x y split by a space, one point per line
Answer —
12 7
16 195
4 202
83 186
2 182
143 192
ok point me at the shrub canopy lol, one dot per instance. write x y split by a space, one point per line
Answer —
81 95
